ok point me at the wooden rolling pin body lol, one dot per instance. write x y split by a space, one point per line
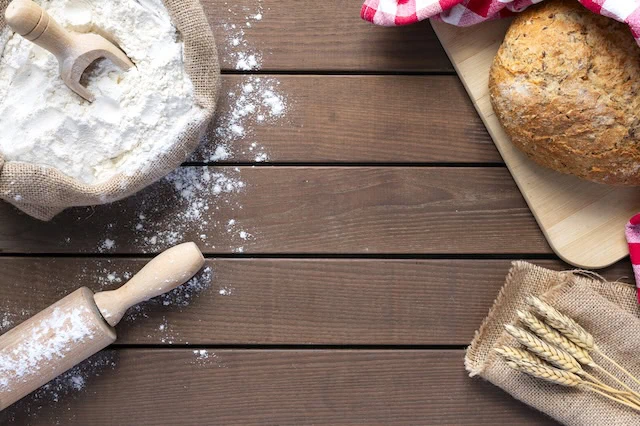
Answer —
73 329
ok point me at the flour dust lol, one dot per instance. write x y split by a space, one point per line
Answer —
61 390
253 102
241 54
204 357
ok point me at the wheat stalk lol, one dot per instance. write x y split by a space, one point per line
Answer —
631 404
552 337
524 362
519 355
618 366
578 335
555 356
568 327
550 374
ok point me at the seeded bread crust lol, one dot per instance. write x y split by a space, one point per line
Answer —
565 87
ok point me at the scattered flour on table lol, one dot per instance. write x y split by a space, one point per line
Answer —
201 354
184 206
136 116
106 245
254 102
196 195
245 57
6 321
205 357
68 385
225 291
12 316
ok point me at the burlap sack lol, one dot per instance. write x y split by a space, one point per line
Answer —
43 192
608 310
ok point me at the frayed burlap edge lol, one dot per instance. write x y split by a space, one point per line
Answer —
512 296
43 192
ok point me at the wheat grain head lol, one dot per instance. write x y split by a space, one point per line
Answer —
550 374
518 355
565 325
553 337
555 356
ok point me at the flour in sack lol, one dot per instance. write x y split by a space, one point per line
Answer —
137 114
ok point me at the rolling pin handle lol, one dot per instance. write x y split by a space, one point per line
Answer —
165 272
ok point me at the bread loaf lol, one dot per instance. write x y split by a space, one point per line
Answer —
565 85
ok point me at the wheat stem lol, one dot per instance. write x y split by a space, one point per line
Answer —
618 366
613 398
635 394
608 389
600 383
623 394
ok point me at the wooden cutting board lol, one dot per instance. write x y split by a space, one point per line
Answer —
582 221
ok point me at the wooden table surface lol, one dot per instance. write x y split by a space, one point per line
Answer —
378 234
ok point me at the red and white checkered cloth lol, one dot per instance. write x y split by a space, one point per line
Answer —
632 232
469 12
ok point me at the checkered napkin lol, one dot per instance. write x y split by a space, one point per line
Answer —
632 232
463 13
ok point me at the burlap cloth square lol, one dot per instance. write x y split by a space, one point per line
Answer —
608 310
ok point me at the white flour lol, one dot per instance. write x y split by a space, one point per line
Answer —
255 101
245 57
67 386
136 115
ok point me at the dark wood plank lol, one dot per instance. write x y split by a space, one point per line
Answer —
300 210
327 35
283 301
355 119
150 387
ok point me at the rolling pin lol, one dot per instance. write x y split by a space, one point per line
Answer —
81 324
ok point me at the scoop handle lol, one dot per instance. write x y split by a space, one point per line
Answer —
33 23
165 272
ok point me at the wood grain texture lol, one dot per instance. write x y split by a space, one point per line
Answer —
284 301
305 210
583 221
378 119
151 387
326 35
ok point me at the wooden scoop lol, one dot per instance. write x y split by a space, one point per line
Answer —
81 324
75 52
